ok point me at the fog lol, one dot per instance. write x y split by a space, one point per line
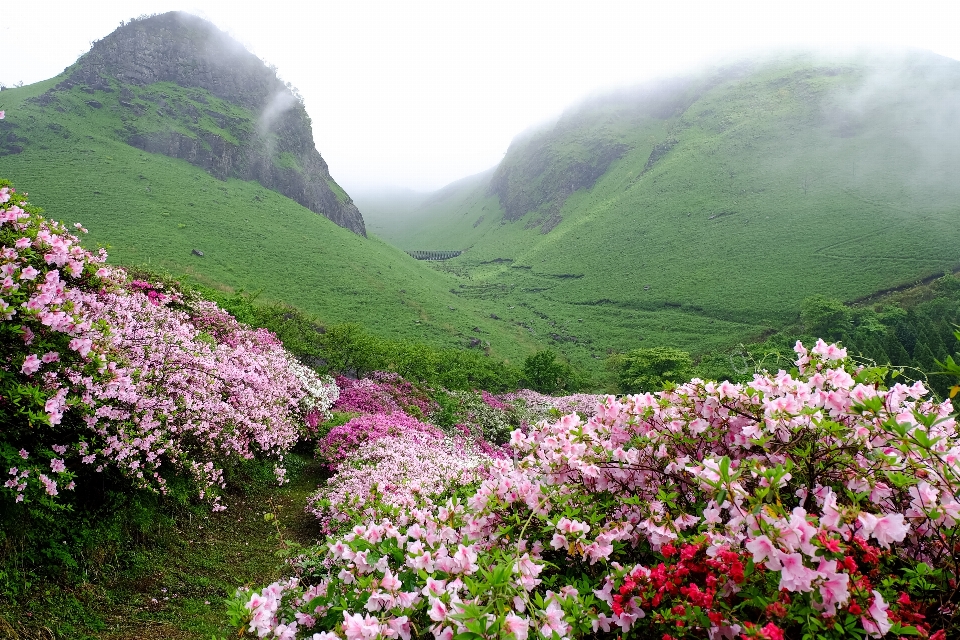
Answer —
416 95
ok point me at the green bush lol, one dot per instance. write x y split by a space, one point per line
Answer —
650 369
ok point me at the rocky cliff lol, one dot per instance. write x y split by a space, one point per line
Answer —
185 89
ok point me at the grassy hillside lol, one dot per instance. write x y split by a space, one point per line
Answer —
154 210
702 211
451 216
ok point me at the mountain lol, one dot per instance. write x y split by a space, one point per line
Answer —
175 84
700 211
168 140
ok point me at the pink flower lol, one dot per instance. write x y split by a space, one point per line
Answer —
888 529
31 364
764 551
878 624
829 351
399 627
793 575
834 589
81 346
553 621
356 627
57 465
516 625
28 273
438 610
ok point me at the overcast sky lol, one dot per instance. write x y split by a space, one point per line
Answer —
418 94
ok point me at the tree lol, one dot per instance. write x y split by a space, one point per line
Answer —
824 318
544 373
650 369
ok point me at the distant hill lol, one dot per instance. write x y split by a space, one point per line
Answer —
701 210
168 139
403 215
175 84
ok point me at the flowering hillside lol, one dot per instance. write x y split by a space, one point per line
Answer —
816 503
99 374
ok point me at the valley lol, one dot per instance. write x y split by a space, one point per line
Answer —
678 366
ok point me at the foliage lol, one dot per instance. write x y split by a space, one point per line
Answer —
821 316
543 372
816 503
113 388
650 369
912 330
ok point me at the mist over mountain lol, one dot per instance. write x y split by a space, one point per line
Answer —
709 205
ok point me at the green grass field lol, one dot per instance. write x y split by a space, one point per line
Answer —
697 213
152 210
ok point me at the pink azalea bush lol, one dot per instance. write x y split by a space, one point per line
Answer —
398 470
97 373
382 392
815 503
365 429
189 401
50 347
533 406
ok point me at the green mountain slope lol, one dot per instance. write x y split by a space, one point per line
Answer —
701 211
432 221
67 144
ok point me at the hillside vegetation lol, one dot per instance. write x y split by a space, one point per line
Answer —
701 211
155 210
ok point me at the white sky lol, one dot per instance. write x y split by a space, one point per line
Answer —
420 93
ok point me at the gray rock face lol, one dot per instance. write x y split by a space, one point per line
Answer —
274 147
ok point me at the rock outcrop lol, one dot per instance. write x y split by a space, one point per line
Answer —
263 134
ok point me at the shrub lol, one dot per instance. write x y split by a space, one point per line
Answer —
543 372
811 503
109 387
651 369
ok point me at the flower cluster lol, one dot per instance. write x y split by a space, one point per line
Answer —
393 474
812 503
482 417
321 392
48 340
382 392
187 400
340 441
98 373
532 407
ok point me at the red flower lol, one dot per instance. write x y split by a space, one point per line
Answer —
772 632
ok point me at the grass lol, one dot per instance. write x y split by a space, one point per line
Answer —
773 182
175 585
149 209
696 213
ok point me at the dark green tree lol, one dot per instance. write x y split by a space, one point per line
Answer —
650 369
543 372
825 318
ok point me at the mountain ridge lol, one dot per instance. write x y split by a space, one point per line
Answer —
687 222
263 134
